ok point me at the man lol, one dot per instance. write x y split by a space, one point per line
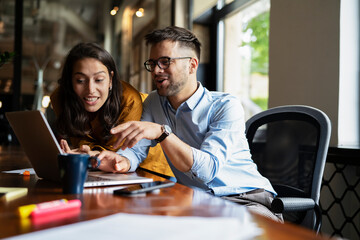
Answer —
202 133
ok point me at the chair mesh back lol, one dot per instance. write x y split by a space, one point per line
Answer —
285 152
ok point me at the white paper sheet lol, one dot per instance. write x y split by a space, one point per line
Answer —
141 227
21 171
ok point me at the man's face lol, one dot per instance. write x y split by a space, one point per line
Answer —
173 80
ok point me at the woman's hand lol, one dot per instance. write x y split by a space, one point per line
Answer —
113 162
83 149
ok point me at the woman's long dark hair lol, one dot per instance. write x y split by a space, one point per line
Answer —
74 120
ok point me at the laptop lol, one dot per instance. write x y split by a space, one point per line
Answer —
41 147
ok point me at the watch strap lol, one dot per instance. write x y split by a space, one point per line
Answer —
163 135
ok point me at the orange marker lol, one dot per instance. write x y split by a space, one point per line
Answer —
26 173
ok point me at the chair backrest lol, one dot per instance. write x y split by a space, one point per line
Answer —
289 144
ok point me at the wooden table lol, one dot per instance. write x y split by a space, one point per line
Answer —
99 202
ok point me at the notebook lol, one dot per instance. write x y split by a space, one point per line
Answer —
41 147
11 193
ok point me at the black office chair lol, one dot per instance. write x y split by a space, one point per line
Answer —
289 144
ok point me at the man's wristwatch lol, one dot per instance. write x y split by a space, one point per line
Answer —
166 132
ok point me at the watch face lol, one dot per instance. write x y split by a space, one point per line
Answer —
167 129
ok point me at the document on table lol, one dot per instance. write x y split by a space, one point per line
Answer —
21 171
140 227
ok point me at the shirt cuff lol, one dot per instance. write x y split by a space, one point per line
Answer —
201 167
131 156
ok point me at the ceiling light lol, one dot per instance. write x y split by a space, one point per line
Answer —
114 11
139 12
45 101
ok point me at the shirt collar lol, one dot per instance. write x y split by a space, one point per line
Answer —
195 98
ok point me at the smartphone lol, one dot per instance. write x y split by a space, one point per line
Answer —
143 188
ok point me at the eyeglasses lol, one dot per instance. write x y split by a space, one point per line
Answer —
162 62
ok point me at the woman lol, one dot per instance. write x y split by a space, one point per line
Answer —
90 100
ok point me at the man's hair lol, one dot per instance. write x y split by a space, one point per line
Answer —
176 34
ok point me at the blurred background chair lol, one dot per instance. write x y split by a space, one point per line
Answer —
289 144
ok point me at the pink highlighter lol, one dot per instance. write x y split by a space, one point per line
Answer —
57 208
50 208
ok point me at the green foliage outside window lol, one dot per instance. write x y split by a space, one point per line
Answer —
258 28
259 42
261 102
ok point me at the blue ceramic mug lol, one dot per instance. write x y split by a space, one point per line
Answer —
73 172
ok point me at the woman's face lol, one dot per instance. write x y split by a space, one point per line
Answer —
91 82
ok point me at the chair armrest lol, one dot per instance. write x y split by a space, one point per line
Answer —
292 204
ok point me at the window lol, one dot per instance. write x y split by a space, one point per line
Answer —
246 58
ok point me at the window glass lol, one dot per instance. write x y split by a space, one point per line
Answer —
49 30
246 49
7 17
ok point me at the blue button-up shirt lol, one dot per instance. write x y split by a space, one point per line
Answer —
213 124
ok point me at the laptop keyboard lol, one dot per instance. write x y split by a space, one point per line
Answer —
95 179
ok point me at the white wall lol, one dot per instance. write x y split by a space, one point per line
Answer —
304 55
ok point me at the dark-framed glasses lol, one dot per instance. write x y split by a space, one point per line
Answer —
162 62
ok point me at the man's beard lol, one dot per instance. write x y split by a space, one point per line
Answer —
172 89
